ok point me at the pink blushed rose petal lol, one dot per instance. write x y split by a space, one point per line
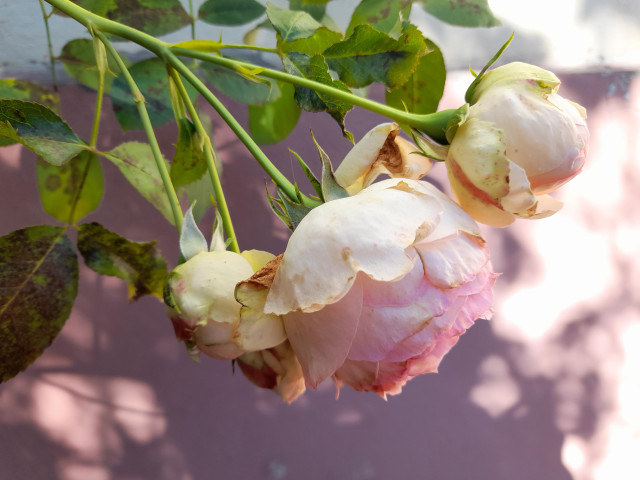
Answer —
392 305
520 141
276 369
453 261
373 377
429 361
374 244
321 340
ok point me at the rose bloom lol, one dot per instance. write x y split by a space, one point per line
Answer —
275 369
376 288
520 141
380 151
204 310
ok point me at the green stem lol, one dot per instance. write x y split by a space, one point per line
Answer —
161 49
45 16
92 143
256 48
87 18
432 124
97 112
146 123
193 20
210 160
252 146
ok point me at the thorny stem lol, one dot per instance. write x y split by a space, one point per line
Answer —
256 48
92 143
45 17
251 145
209 158
98 111
161 49
146 123
432 124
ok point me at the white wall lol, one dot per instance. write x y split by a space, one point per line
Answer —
560 34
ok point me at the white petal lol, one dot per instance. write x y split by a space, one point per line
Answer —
480 207
414 165
206 284
545 207
541 137
215 339
351 173
258 330
453 261
340 238
477 157
520 196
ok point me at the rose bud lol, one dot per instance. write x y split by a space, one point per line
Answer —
379 152
275 369
204 310
520 141
374 298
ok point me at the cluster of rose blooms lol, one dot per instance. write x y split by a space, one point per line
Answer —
375 288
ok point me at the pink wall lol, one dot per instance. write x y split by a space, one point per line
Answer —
116 397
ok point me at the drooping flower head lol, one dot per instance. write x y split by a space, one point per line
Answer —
520 141
204 310
374 289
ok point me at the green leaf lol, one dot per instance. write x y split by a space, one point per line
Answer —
218 243
155 17
40 130
151 77
317 43
316 9
135 161
291 24
315 183
278 208
139 264
424 88
200 189
297 30
13 88
369 56
251 90
383 15
294 212
38 285
331 189
230 12
315 68
275 120
466 13
192 241
189 164
199 194
78 61
428 147
73 190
